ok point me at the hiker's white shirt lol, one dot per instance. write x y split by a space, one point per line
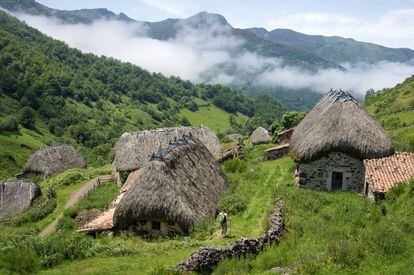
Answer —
223 214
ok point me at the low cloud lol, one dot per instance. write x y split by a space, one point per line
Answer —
209 55
358 78
393 28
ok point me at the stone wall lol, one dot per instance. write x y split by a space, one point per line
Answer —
317 174
166 229
205 259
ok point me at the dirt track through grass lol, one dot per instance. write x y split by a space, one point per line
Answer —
73 199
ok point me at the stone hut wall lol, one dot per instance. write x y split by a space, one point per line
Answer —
277 153
166 229
317 174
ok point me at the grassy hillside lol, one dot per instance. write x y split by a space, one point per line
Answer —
250 199
339 233
50 93
213 117
325 232
394 108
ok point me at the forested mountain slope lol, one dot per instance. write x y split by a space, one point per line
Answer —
269 51
77 16
336 49
169 28
394 108
52 93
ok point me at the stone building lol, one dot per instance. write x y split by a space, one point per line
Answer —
332 142
180 186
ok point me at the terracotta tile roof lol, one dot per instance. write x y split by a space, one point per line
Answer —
383 174
282 146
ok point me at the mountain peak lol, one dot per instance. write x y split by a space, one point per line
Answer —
206 18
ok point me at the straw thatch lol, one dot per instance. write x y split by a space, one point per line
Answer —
17 195
182 184
134 150
54 159
260 136
338 123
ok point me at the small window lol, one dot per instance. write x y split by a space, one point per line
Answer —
155 225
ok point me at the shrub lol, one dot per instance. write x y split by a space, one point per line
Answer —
164 271
388 240
395 192
71 178
346 253
9 123
40 209
235 165
233 204
392 122
19 261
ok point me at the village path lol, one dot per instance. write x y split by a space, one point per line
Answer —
74 198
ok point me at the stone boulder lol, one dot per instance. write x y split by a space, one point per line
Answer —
234 137
260 136
17 195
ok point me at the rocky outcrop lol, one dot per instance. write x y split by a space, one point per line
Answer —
260 136
205 259
17 195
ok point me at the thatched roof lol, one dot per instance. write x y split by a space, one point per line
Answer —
17 195
182 184
54 159
338 123
260 136
134 150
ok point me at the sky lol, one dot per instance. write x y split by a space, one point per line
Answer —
386 22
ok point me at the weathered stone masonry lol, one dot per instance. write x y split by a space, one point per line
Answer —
317 174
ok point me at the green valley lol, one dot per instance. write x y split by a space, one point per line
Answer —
118 184
52 94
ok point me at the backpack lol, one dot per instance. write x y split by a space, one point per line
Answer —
222 218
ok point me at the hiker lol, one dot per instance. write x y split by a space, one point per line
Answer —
222 217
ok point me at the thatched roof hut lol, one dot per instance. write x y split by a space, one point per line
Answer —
179 187
134 150
339 124
260 136
17 195
54 159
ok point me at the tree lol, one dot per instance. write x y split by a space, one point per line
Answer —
253 123
27 118
292 119
276 127
9 123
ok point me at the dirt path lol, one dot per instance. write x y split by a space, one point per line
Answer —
74 198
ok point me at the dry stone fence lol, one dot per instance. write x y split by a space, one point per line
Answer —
205 259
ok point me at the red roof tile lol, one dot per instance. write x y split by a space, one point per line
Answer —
383 174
